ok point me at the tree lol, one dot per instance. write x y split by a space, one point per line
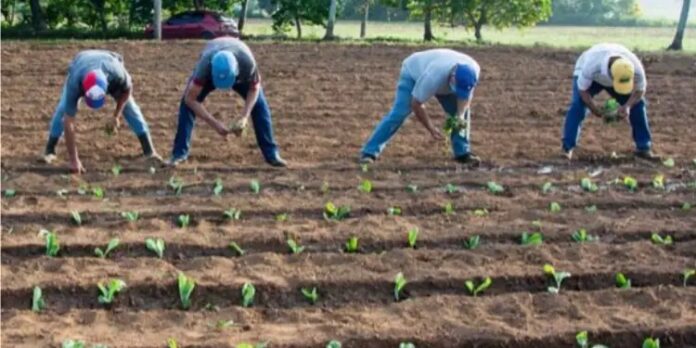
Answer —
419 9
243 16
681 27
595 12
298 12
332 21
37 18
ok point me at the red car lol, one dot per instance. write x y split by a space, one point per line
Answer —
196 25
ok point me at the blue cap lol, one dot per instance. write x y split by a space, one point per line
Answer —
224 69
464 81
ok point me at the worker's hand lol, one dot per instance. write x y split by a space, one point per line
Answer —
112 125
596 110
221 129
624 111
436 134
239 126
76 167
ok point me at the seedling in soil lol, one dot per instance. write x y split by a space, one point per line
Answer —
449 188
394 211
630 183
474 289
610 111
82 189
651 343
333 344
232 214
554 207
310 295
412 188
217 187
325 187
130 216
547 187
282 217
495 188
116 169
176 184
108 292
472 242
156 246
9 193
686 206
183 220
659 240
248 293
531 238
171 343
236 248
62 193
407 345
399 284
412 237
588 185
365 186
332 212
186 286
352 245
687 274
622 282
591 209
37 301
73 344
581 236
52 245
294 247
658 182
483 212
448 209
537 224
557 277
669 162
223 324
113 244
255 186
583 341
75 217
98 192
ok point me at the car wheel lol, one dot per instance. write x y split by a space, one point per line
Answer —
208 35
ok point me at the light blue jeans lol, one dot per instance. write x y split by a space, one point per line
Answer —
401 109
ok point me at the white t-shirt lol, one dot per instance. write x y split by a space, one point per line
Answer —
593 65
431 70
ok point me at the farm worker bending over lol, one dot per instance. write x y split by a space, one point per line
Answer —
618 71
226 63
92 75
446 74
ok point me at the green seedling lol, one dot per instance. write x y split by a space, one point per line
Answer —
255 186
73 344
325 187
108 292
474 290
622 282
495 188
52 245
113 244
686 206
9 193
630 183
37 301
130 216
232 214
332 212
75 217
412 237
591 209
669 162
588 185
352 245
176 184
156 246
186 286
448 209
531 238
651 343
333 344
394 211
547 187
454 124
659 240
310 295
82 189
171 343
399 284
412 188
407 345
554 207
483 212
537 224
223 324
98 192
116 169
282 217
610 111
687 274
581 236
583 341
449 188
183 220
365 186
658 182
62 193
248 293
294 247
557 277
217 187
236 249
472 242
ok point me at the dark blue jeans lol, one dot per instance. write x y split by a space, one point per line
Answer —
260 117
576 114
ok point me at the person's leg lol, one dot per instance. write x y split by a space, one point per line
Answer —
392 121
576 115
460 144
56 126
136 122
638 117
262 122
184 130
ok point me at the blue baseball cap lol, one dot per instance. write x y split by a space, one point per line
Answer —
464 81
224 69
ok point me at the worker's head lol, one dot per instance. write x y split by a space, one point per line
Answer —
224 69
463 80
94 85
622 71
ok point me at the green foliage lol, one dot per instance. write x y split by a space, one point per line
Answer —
474 289
394 211
588 185
546 187
581 236
333 344
255 186
651 343
448 209
595 12
130 216
610 111
183 220
116 169
176 184
108 292
686 206
472 242
412 237
38 304
73 344
365 186
399 284
658 182
186 286
657 239
310 295
591 209
232 214
583 341
495 188
217 187
171 343
449 188
332 212
454 124
75 217
98 192
295 248
557 277
535 238
412 188
687 274
622 282
236 248
282 217
554 207
9 193
352 245
483 212
669 162
248 294
52 244
297 12
630 183
156 246
325 187
407 345
113 244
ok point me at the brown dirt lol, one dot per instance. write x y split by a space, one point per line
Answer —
326 99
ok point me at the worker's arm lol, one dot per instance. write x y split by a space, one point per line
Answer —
71 143
635 97
587 100
422 116
190 99
251 99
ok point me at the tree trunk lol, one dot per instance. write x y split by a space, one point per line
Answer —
198 5
363 22
298 27
681 27
243 16
428 32
37 19
477 32
331 22
478 25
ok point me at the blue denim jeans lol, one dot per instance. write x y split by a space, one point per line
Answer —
576 114
401 109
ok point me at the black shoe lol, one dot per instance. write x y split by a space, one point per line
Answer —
647 155
278 162
367 159
469 158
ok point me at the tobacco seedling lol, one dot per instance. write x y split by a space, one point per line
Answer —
448 209
630 183
184 220
73 344
412 188
474 289
52 245
332 212
352 245
659 240
365 186
108 292
495 188
176 184
98 192
399 284
156 246
116 169
282 217
394 211
449 188
472 242
622 282
113 244
483 212
217 187
82 189
62 193
686 206
687 274
236 248
130 216
333 344
325 187
255 186
37 301
531 238
407 345
294 247
223 324
248 293
591 209
310 295
171 343
581 236
232 214
412 237
186 286
9 193
658 182
547 187
651 343
583 341
669 162
588 185
557 277
554 207
75 217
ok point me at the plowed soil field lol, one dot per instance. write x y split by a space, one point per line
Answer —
326 99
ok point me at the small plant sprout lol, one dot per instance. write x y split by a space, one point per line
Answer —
352 245
651 343
282 217
476 289
448 208
98 192
310 295
669 162
365 168
591 209
333 344
449 188
554 207
186 286
658 182
255 186
332 212
622 282
82 189
495 188
223 324
325 187
9 193
412 237
37 301
531 238
557 277
75 217
365 186
217 187
412 188
399 284
659 240
113 244
581 236
686 206
116 169
407 345
294 247
52 245
583 341
546 187
687 274
630 183
183 220
171 343
73 344
156 246
482 212
248 293
232 214
588 185
176 184
236 249
108 292
472 242
62 193
130 216
394 211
